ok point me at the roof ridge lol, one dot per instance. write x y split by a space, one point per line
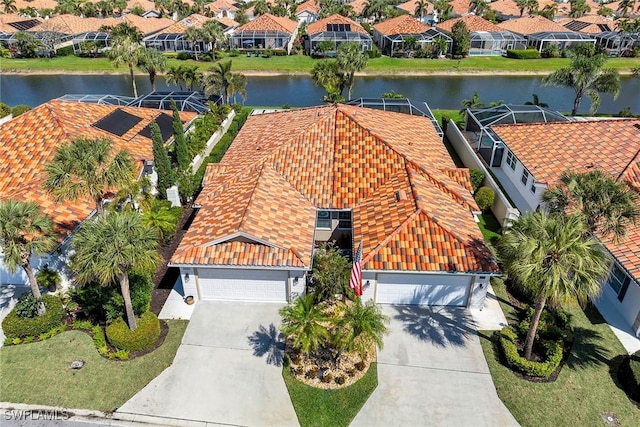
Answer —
387 239
261 165
59 123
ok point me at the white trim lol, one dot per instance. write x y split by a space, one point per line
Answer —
239 234
238 266
473 273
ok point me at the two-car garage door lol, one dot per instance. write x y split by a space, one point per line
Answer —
422 289
243 285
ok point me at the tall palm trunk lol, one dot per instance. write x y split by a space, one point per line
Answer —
133 81
152 79
576 103
533 328
35 289
126 295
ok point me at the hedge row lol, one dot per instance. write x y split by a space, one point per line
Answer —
16 327
143 337
527 367
523 54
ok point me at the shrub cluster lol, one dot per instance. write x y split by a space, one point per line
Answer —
143 337
374 52
477 178
535 369
523 54
485 197
16 327
27 306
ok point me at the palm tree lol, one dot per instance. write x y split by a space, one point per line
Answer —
606 205
351 59
152 62
9 6
477 6
24 231
238 85
212 33
126 51
554 259
549 11
222 81
194 35
175 76
374 9
85 168
305 323
536 101
623 7
136 195
361 326
579 8
422 8
474 102
191 76
327 73
586 74
107 249
160 219
260 7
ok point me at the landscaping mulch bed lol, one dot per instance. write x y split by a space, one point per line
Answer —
165 276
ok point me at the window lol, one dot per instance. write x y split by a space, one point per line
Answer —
525 177
616 278
533 186
323 219
344 220
511 160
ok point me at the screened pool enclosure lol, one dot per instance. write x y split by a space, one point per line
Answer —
486 43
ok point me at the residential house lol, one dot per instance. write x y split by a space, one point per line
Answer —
337 29
308 11
430 17
30 140
541 32
172 39
588 24
486 38
265 32
364 178
223 9
391 35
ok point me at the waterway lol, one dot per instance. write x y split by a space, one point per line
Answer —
438 91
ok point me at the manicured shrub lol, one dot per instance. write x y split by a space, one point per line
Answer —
119 355
477 177
523 54
485 197
374 52
5 110
511 355
82 325
16 327
181 56
49 278
19 109
551 51
143 337
27 306
267 53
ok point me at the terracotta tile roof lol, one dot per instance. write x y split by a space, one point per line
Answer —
268 22
473 23
460 7
359 6
146 25
36 4
310 5
220 5
321 25
69 24
593 24
391 169
531 24
195 21
29 141
226 22
410 7
403 24
7 19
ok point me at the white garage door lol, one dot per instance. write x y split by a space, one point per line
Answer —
424 289
243 285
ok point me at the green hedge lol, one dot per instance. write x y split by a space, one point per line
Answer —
527 367
16 327
523 54
145 335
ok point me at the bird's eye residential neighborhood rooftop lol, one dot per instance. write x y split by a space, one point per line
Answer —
293 179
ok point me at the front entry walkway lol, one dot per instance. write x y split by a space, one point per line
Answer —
432 372
228 371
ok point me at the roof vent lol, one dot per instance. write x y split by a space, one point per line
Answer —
401 195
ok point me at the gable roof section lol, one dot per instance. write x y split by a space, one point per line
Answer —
403 24
473 23
532 24
29 142
180 27
321 25
310 6
268 22
410 7
391 169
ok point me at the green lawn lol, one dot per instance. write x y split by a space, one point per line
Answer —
329 408
302 65
490 227
585 388
39 373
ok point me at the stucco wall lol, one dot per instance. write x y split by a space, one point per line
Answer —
532 200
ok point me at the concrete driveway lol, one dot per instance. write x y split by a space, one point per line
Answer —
228 371
432 372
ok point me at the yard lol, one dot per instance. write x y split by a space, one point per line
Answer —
299 64
39 373
586 389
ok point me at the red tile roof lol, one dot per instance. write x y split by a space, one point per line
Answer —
321 25
310 5
410 7
391 169
268 22
180 27
531 24
403 24
29 141
473 23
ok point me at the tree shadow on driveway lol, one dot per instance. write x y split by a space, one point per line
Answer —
268 341
438 325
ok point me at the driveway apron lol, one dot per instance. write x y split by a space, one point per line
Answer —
228 370
432 372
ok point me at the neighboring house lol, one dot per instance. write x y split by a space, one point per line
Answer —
308 11
265 32
541 32
337 29
486 38
292 180
10 24
536 154
588 24
391 35
429 17
223 9
171 39
229 26
619 43
29 142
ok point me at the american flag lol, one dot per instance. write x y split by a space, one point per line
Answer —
355 281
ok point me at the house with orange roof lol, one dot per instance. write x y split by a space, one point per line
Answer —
308 11
391 35
534 156
588 24
172 38
486 38
430 16
223 8
336 29
374 180
30 140
265 32
541 32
